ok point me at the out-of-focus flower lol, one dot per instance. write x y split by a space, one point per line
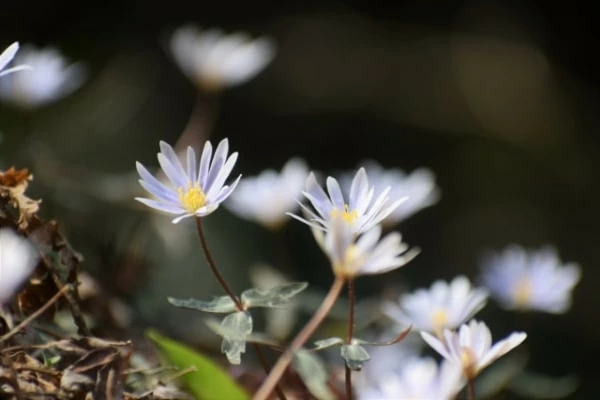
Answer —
213 60
51 80
194 191
417 378
267 197
418 187
359 214
6 57
18 258
471 348
443 306
353 255
535 280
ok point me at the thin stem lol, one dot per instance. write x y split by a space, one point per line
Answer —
36 314
350 335
286 358
267 368
213 266
470 389
231 294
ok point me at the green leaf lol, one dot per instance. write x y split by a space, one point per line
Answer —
312 370
235 329
278 296
325 343
209 381
355 355
218 304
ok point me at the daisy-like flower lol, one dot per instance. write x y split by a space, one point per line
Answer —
353 255
535 280
267 197
418 187
471 348
443 306
417 378
51 80
18 258
195 191
6 57
213 60
359 213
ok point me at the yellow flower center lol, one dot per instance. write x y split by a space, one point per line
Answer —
522 292
468 361
192 199
439 320
346 214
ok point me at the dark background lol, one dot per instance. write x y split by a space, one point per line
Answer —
499 99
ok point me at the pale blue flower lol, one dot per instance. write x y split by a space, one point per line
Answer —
193 191
53 78
7 56
443 306
416 378
471 347
359 212
418 187
530 280
267 197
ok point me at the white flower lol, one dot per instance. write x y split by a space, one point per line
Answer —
418 187
51 79
267 197
360 214
18 258
353 255
471 348
214 60
535 280
6 57
417 378
195 191
444 305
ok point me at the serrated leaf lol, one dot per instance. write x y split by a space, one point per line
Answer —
355 355
218 304
533 385
325 343
312 370
256 337
275 297
208 381
235 328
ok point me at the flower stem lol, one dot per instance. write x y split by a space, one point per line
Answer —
238 305
350 335
470 389
213 266
286 358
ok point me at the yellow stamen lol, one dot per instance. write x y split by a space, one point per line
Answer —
347 215
468 361
522 292
192 199
439 320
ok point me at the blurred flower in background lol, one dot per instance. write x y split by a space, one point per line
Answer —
530 280
196 191
214 60
7 56
418 187
52 78
18 258
267 197
471 347
416 378
443 306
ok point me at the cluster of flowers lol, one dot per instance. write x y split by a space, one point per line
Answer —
347 226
